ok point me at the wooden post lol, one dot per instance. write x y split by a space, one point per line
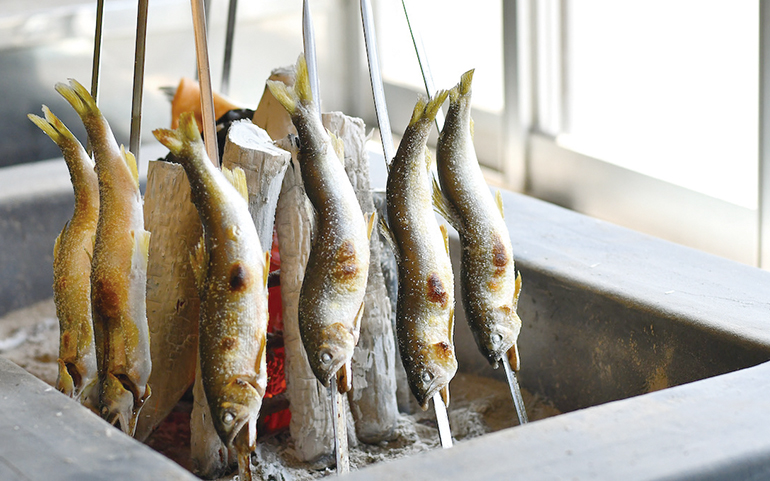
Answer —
172 297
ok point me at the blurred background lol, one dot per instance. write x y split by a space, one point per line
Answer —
646 114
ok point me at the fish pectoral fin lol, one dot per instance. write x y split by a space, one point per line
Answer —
370 225
237 177
141 252
357 323
445 234
499 202
387 234
199 260
130 161
445 394
513 357
517 291
442 206
345 378
338 145
266 271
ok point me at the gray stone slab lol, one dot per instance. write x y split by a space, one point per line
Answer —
713 429
47 436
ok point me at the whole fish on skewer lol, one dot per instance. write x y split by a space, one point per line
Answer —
118 271
231 273
490 287
425 307
72 266
332 295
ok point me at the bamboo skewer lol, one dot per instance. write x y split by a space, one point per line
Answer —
136 96
513 384
204 74
383 121
308 41
96 64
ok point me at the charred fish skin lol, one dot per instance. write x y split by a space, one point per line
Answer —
425 306
231 273
488 280
72 265
332 294
118 270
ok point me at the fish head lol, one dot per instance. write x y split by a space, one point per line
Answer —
430 369
235 407
119 402
332 348
502 327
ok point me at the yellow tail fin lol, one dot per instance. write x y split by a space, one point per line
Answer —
79 97
425 110
290 96
182 138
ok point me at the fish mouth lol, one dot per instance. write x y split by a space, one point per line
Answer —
435 386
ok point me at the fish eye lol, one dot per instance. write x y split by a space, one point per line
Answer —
228 417
427 376
325 357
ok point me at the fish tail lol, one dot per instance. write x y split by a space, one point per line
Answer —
182 139
425 110
53 127
289 97
463 88
79 97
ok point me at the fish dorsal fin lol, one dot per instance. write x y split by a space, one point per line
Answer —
452 326
370 225
130 161
261 366
199 261
517 291
442 206
387 234
338 145
473 128
429 160
445 234
266 272
57 243
141 250
237 177
499 202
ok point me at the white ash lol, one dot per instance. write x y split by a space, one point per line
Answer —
478 405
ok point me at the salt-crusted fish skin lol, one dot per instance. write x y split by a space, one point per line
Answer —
72 265
488 281
332 294
231 274
425 306
118 270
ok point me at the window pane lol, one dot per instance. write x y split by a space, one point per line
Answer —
668 89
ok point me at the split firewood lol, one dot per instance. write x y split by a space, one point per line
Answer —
249 147
373 396
172 297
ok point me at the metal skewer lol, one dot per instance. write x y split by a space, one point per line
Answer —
96 64
308 41
422 58
375 76
427 77
340 428
229 35
204 74
513 384
136 96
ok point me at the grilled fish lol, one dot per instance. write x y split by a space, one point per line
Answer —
425 306
231 274
72 265
489 285
332 295
118 271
